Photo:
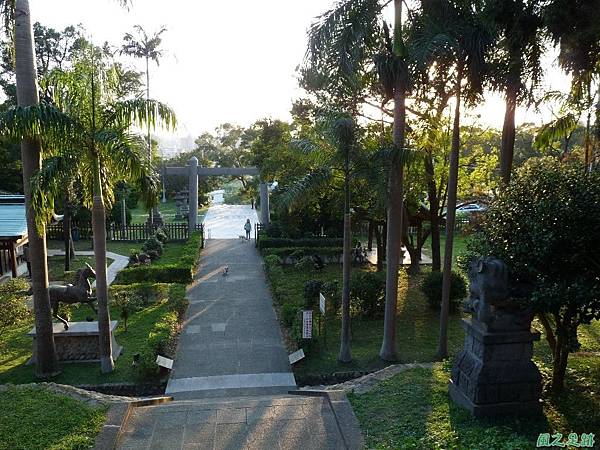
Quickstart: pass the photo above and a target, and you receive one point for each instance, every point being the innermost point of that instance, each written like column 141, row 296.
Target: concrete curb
column 117, row 417
column 344, row 416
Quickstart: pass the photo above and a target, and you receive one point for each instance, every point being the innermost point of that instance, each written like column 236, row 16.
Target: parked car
column 471, row 208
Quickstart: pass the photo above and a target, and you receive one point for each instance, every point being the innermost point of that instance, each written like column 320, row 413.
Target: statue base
column 494, row 375
column 80, row 343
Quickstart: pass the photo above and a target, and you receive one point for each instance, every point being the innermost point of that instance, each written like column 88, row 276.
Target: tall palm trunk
column 434, row 213
column 507, row 147
column 99, row 236
column 395, row 202
column 442, row 351
column 345, row 354
column 27, row 94
column 67, row 237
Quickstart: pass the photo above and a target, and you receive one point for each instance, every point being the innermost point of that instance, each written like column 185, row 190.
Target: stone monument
column 494, row 375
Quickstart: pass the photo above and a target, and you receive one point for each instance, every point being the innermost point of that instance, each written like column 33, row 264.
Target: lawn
column 417, row 327
column 413, row 410
column 37, row 419
column 168, row 211
column 56, row 265
column 118, row 247
column 15, row 350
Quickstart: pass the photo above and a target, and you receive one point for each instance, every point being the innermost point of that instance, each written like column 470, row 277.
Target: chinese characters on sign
column 307, row 324
column 573, row 440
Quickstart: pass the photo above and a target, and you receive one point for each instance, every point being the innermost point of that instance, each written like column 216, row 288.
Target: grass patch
column 56, row 265
column 417, row 328
column 118, row 247
column 168, row 211
column 413, row 410
column 15, row 349
column 37, row 419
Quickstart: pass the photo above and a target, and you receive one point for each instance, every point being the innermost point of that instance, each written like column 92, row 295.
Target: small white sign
column 296, row 356
column 164, row 362
column 307, row 324
column 322, row 303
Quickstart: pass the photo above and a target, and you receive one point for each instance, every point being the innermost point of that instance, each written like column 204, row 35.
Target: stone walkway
column 118, row 264
column 231, row 343
column 227, row 221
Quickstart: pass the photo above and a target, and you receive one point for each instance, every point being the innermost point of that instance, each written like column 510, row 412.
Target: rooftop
column 13, row 223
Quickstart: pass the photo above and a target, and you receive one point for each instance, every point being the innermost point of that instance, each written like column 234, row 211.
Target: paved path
column 231, row 343
column 227, row 221
column 118, row 264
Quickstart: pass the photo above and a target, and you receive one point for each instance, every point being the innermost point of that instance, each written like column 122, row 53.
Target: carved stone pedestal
column 494, row 375
column 80, row 343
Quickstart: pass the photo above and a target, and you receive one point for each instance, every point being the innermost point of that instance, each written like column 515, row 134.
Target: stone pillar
column 494, row 375
column 264, row 203
column 193, row 195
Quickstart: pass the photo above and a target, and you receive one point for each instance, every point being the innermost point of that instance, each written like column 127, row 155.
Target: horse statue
column 70, row 294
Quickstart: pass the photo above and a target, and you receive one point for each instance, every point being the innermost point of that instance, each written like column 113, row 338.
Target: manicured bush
column 300, row 252
column 12, row 302
column 305, row 263
column 160, row 273
column 367, row 292
column 268, row 242
column 312, row 288
column 153, row 245
column 149, row 292
column 432, row 288
column 128, row 303
column 272, row 261
column 161, row 235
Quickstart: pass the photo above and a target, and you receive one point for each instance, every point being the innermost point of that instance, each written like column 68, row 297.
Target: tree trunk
column 507, row 147
column 67, row 232
column 370, row 236
column 395, row 201
column 379, row 243
column 27, row 95
column 559, row 363
column 99, row 237
column 442, row 351
column 434, row 214
column 345, row 354
column 548, row 332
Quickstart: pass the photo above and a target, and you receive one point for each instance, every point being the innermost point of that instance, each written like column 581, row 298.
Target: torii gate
column 193, row 171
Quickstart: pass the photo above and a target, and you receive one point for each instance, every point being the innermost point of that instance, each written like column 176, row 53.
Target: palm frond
column 555, row 130
column 301, row 188
column 142, row 112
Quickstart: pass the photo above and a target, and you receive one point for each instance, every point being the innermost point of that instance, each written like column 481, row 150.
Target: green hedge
column 268, row 242
column 300, row 252
column 173, row 267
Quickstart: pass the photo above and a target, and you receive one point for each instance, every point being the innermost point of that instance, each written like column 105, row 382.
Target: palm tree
column 87, row 130
column 453, row 32
column 17, row 13
column 573, row 25
column 145, row 47
column 341, row 132
column 515, row 63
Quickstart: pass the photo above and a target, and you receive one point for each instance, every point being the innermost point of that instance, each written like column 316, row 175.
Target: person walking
column 248, row 228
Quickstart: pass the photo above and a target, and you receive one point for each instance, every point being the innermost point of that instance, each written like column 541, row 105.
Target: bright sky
column 226, row 60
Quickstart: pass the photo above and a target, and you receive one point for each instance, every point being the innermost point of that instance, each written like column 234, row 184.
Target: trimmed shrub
column 128, row 303
column 367, row 292
column 311, row 293
column 153, row 245
column 272, row 261
column 161, row 235
column 160, row 273
column 149, row 292
column 269, row 242
column 12, row 302
column 432, row 288
column 305, row 263
column 300, row 252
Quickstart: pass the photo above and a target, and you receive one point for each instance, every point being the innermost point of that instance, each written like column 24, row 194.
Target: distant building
column 13, row 233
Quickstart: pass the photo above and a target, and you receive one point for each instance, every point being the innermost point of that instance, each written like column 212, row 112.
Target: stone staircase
column 312, row 420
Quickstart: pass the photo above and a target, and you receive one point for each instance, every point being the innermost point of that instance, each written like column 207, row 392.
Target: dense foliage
column 545, row 227
column 432, row 288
